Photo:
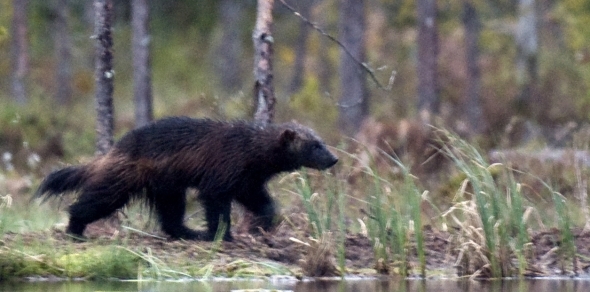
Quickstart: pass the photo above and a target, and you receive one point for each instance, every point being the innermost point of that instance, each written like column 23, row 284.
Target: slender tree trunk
column 88, row 13
column 301, row 47
column 551, row 35
column 20, row 54
column 526, row 60
column 230, row 49
column 142, row 86
column 326, row 70
column 104, row 74
column 263, row 45
column 63, row 45
column 428, row 99
column 473, row 107
column 353, row 103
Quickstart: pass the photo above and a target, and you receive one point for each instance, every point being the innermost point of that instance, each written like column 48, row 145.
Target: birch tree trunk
column 353, row 103
column 142, row 84
column 263, row 46
column 428, row 99
column 63, row 52
column 104, row 74
column 20, row 54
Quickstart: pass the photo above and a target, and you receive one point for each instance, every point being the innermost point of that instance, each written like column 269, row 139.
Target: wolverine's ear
column 288, row 136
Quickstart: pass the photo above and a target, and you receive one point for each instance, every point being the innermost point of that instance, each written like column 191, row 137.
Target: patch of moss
column 100, row 263
column 14, row 264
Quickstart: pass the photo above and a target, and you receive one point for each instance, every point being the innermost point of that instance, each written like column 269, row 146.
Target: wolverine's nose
column 334, row 161
column 326, row 161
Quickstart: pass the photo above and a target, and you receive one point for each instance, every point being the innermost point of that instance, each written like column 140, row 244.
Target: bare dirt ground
column 290, row 247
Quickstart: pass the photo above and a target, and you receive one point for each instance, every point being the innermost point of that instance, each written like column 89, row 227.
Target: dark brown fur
column 157, row 163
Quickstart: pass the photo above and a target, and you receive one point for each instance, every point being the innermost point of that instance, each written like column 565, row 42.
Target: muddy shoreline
column 286, row 252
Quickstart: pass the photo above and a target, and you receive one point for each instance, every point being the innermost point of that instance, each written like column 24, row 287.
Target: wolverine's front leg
column 217, row 214
column 170, row 204
column 258, row 201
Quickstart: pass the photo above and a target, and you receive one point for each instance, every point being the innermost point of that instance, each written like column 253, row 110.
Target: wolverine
column 225, row 161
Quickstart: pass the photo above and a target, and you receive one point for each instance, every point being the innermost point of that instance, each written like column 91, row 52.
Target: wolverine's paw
column 228, row 237
column 186, row 234
column 208, row 236
column 189, row 234
column 264, row 224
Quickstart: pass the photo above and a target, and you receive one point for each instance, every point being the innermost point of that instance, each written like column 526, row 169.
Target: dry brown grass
column 319, row 260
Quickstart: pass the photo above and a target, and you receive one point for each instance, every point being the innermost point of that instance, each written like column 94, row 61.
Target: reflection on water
column 537, row 285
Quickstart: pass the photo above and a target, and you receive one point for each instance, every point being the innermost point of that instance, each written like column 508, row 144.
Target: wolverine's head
column 306, row 147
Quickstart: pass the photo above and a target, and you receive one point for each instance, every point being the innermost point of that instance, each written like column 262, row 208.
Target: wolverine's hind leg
column 94, row 204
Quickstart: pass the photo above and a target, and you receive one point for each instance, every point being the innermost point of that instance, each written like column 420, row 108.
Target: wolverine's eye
column 316, row 147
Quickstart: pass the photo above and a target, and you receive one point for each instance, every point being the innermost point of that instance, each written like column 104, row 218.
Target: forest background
column 202, row 63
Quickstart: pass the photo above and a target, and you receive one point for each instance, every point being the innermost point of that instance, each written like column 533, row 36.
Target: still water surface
column 364, row 285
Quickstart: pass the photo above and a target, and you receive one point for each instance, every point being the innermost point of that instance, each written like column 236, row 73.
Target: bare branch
column 364, row 65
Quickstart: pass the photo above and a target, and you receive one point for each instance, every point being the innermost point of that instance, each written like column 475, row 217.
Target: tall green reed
column 567, row 248
column 394, row 213
column 410, row 191
column 499, row 206
column 321, row 208
column 387, row 228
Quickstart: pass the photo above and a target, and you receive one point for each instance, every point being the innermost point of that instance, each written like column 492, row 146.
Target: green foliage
column 499, row 203
column 28, row 126
column 395, row 216
column 341, row 236
column 186, row 14
column 42, row 259
column 404, row 11
column 388, row 230
column 44, row 130
column 567, row 247
column 22, row 217
column 319, row 210
column 100, row 263
column 322, row 209
column 576, row 16
column 5, row 203
column 313, row 106
column 414, row 201
column 3, row 34
column 14, row 265
column 183, row 58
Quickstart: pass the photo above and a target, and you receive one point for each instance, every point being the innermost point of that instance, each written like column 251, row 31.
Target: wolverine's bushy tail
column 61, row 181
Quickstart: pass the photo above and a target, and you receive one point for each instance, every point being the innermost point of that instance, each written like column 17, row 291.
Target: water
column 356, row 285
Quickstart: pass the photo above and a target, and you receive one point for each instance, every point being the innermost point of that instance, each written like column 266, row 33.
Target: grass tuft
column 488, row 212
column 319, row 260
column 567, row 248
